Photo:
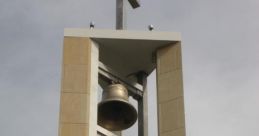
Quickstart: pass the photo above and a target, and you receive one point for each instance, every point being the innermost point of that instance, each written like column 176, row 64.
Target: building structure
column 94, row 57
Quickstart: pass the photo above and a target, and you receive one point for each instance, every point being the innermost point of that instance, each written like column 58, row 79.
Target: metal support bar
column 103, row 132
column 107, row 75
column 120, row 15
column 142, row 106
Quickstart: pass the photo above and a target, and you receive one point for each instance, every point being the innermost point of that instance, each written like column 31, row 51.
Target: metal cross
column 120, row 12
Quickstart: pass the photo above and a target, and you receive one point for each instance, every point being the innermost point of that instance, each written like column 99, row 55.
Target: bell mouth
column 116, row 115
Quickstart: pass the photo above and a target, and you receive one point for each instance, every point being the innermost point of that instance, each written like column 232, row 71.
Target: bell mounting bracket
column 109, row 76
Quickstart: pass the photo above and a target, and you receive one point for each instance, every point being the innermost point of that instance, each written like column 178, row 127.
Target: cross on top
column 134, row 3
column 120, row 12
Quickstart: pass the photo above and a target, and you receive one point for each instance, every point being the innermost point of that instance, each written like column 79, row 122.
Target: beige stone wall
column 170, row 103
column 79, row 87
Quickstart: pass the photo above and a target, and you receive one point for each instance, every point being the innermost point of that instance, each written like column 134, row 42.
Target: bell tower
column 94, row 57
column 120, row 61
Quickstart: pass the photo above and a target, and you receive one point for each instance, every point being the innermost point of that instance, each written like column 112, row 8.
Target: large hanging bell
column 115, row 113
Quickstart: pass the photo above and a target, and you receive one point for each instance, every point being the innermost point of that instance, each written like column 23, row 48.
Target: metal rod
column 142, row 106
column 104, row 132
column 119, row 14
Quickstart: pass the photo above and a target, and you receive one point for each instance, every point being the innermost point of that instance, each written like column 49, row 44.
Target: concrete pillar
column 78, row 102
column 171, row 118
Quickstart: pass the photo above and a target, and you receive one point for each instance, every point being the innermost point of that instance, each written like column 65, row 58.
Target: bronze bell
column 115, row 113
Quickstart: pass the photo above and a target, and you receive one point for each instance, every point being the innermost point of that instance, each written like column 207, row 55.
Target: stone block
column 75, row 78
column 171, row 115
column 74, row 108
column 73, row 130
column 169, row 58
column 170, row 86
column 77, row 50
column 178, row 132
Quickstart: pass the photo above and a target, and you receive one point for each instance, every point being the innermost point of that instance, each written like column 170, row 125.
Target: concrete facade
column 170, row 100
column 125, row 52
column 79, row 87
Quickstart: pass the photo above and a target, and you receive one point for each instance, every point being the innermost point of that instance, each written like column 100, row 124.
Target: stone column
column 171, row 118
column 78, row 101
